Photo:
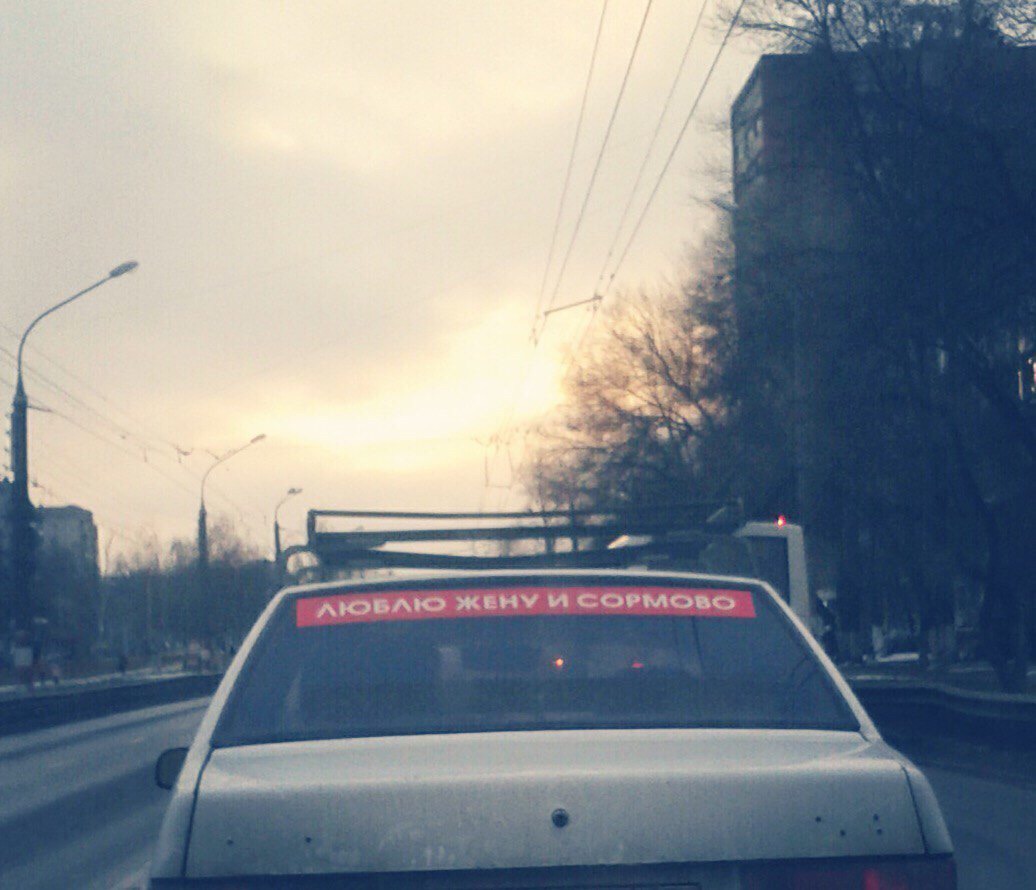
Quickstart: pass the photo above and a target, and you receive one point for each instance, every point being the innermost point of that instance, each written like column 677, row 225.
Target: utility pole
column 277, row 529
column 203, row 538
column 23, row 534
column 203, row 567
column 203, row 533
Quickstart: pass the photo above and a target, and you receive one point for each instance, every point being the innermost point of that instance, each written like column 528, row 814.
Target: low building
column 71, row 531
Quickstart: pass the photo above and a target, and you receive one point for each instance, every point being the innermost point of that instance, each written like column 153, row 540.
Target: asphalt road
column 78, row 807
column 993, row 826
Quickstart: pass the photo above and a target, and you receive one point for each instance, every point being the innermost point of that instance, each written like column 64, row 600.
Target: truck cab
column 774, row 552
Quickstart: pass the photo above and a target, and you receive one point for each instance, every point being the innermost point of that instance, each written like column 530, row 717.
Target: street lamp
column 203, row 535
column 21, row 509
column 203, row 532
column 276, row 526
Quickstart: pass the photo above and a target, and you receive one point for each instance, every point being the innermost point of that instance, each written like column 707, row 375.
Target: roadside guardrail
column 29, row 712
column 899, row 708
column 917, row 708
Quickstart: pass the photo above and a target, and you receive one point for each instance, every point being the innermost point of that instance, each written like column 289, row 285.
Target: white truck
column 680, row 537
column 774, row 552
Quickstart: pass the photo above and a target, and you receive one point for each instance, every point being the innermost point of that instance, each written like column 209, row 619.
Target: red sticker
column 416, row 605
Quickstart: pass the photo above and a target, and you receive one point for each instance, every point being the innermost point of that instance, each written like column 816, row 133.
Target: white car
column 542, row 729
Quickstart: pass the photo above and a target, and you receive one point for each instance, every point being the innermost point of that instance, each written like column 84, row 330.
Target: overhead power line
column 661, row 176
column 151, row 433
column 676, row 144
column 600, row 155
column 504, row 435
column 651, row 144
column 503, row 432
column 571, row 164
column 127, row 439
column 80, row 486
column 141, row 457
column 541, row 316
column 655, row 190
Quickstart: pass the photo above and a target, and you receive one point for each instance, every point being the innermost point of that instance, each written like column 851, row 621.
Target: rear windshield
column 414, row 660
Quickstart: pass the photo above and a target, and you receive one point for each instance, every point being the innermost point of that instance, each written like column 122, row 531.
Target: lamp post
column 277, row 528
column 23, row 540
column 203, row 531
column 203, row 536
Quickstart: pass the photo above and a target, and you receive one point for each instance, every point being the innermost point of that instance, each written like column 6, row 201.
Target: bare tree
column 645, row 402
column 158, row 601
column 918, row 441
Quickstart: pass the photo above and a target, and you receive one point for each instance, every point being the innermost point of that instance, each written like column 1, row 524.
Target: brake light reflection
column 914, row 873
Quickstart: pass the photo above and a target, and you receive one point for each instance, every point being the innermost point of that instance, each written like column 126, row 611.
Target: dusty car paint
column 483, row 801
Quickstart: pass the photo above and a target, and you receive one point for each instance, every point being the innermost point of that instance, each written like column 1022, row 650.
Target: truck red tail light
column 928, row 873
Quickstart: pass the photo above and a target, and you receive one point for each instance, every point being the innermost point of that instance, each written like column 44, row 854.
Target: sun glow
column 440, row 418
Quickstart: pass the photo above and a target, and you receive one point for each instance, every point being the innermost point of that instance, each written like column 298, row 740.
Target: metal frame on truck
column 668, row 537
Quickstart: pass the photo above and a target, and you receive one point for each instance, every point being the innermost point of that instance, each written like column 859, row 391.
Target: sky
column 343, row 214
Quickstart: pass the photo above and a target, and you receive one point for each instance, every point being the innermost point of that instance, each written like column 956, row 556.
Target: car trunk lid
column 495, row 801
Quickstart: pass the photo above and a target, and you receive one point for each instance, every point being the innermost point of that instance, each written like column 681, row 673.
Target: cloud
column 342, row 213
column 422, row 411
